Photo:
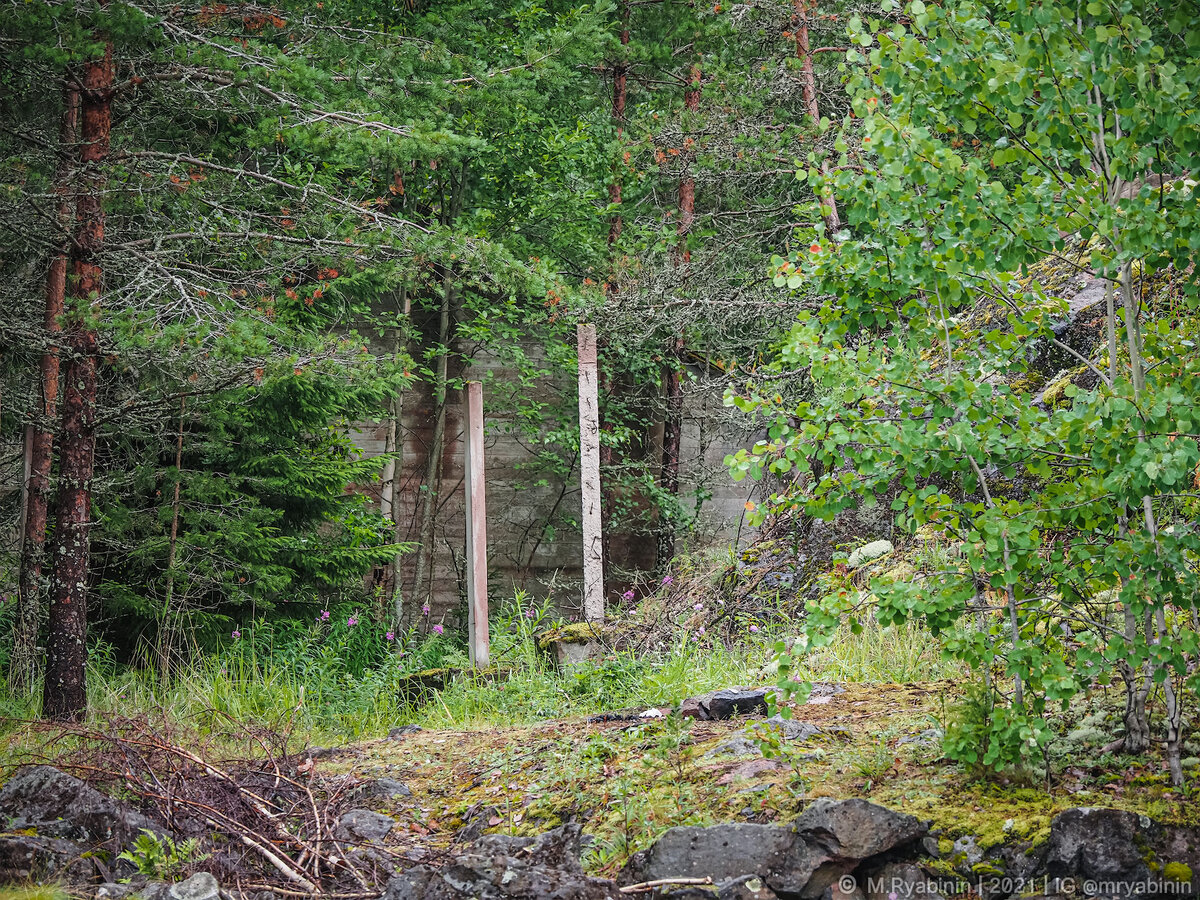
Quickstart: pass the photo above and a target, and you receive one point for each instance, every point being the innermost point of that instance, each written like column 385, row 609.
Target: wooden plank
column 477, row 594
column 589, row 465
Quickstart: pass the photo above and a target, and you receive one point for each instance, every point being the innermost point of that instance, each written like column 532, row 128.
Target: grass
column 322, row 703
column 896, row 654
column 33, row 892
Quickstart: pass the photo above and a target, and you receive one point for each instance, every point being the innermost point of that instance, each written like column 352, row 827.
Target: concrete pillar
column 477, row 594
column 589, row 466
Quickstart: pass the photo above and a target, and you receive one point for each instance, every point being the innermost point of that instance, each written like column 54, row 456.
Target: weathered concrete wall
column 534, row 540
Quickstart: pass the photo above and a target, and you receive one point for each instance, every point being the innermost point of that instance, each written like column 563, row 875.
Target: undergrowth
column 343, row 677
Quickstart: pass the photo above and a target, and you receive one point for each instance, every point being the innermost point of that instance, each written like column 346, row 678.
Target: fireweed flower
column 352, row 621
column 698, row 606
column 628, row 595
column 236, row 634
column 425, row 610
column 667, row 579
column 324, row 615
column 390, row 636
column 529, row 613
column 437, row 629
column 754, row 629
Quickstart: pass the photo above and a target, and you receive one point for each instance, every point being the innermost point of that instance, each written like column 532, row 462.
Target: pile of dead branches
column 263, row 814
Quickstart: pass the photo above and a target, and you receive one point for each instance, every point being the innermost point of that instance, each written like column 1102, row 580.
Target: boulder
column 381, row 789
column 1101, row 844
column 793, row 729
column 363, row 825
column 831, row 838
column 490, row 877
column 55, row 804
column 559, row 848
column 732, row 702
column 901, row 879
column 42, row 860
column 201, row 886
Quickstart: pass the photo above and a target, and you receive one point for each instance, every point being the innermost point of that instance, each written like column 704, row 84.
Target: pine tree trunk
column 619, row 93
column 433, row 461
column 22, row 670
column 65, row 688
column 167, row 631
column 608, row 498
column 672, row 377
column 808, row 84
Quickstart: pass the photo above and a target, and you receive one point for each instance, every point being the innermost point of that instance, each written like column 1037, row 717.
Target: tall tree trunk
column 167, row 632
column 433, row 460
column 619, row 93
column 22, row 670
column 672, row 378
column 65, row 689
column 393, row 486
column 608, row 497
column 808, row 84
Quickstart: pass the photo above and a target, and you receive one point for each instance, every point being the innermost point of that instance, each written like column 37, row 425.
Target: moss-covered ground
column 627, row 781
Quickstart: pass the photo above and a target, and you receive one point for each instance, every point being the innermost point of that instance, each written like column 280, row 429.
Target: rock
column 397, row 733
column 475, row 821
column 42, row 860
column 559, row 848
column 930, row 737
column 1104, row 844
column 381, row 789
column 805, row 859
column 721, row 852
column 570, row 645
column 201, row 886
column 112, row 891
column 738, row 745
column 482, row 877
column 792, row 729
column 690, row 709
column 748, row 887
column 363, row 825
column 860, row 829
column 153, row 890
column 734, row 702
column 965, row 853
column 868, row 553
column 55, row 804
column 901, row 879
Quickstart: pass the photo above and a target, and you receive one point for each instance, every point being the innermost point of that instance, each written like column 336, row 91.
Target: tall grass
column 337, row 682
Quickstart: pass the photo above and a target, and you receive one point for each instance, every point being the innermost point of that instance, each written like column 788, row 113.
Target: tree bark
column 166, row 637
column 672, row 377
column 608, row 499
column 65, row 688
column 808, row 84
column 619, row 93
column 672, row 444
column 22, row 671
column 433, row 460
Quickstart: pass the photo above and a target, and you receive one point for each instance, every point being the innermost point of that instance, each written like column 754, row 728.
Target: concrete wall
column 534, row 541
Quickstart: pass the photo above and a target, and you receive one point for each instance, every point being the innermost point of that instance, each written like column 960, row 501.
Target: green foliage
column 158, row 856
column 985, row 139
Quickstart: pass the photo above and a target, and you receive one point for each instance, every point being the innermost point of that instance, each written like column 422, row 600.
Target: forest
column 896, row 318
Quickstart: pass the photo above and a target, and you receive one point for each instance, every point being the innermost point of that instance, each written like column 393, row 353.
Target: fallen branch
column 645, row 886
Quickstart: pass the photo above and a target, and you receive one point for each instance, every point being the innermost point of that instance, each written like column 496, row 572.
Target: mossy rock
column 574, row 633
column 418, row 688
column 1054, row 394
